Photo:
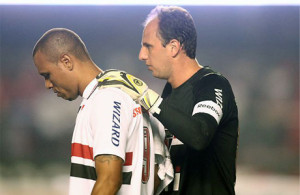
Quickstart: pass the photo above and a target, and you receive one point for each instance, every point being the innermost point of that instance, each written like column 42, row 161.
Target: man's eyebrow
column 146, row 44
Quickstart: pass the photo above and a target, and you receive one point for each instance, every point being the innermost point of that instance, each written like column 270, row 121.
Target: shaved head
column 58, row 41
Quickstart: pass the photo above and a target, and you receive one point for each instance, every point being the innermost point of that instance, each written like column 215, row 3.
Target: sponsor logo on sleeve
column 209, row 107
column 116, row 124
column 137, row 111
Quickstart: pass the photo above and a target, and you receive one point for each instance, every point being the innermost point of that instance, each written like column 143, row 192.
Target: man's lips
column 148, row 66
column 57, row 93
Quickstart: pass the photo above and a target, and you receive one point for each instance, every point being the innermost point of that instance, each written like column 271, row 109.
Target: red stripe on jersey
column 128, row 159
column 177, row 169
column 83, row 151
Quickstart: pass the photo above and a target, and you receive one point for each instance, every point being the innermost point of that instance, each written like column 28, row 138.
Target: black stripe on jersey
column 127, row 177
column 83, row 171
column 88, row 172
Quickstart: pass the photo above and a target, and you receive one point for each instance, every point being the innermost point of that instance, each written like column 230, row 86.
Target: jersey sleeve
column 197, row 128
column 110, row 122
column 211, row 96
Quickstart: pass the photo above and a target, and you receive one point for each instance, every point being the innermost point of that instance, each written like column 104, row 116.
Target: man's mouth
column 57, row 93
column 149, row 67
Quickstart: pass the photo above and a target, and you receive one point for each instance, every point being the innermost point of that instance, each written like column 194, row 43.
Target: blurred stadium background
column 256, row 48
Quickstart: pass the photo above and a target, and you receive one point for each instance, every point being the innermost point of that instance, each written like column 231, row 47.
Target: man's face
column 57, row 77
column 156, row 57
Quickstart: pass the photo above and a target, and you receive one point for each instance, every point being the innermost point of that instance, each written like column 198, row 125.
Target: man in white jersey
column 115, row 146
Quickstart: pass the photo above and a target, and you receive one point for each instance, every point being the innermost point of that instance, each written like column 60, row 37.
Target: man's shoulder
column 111, row 99
column 206, row 71
column 112, row 92
column 208, row 75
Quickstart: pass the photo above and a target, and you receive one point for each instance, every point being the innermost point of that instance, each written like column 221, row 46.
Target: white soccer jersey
column 110, row 122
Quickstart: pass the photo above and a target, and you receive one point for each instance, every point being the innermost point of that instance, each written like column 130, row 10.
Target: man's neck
column 87, row 74
column 183, row 70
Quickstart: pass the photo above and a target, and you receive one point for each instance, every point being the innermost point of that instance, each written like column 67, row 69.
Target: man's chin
column 156, row 75
column 71, row 98
column 153, row 74
column 63, row 96
column 66, row 98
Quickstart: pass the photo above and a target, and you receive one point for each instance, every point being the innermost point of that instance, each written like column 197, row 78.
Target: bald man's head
column 59, row 41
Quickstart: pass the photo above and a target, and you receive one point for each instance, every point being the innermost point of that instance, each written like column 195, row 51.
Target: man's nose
column 48, row 84
column 143, row 54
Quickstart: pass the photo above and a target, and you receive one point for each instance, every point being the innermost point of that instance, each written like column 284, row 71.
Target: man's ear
column 175, row 47
column 65, row 59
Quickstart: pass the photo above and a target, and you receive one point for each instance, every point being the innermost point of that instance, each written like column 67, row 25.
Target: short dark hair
column 56, row 41
column 175, row 23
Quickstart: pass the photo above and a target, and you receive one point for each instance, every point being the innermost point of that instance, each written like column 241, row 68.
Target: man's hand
column 135, row 87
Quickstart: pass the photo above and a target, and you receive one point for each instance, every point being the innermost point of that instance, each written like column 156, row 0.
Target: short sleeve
column 110, row 120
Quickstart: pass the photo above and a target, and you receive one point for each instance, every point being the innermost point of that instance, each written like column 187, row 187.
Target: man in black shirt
column 197, row 105
column 202, row 115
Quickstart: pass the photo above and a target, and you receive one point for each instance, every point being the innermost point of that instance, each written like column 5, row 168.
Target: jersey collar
column 90, row 89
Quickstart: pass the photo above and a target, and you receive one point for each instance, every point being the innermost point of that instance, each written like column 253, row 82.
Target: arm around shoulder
column 195, row 131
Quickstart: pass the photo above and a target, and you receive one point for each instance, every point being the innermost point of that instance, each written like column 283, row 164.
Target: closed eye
column 45, row 75
column 147, row 45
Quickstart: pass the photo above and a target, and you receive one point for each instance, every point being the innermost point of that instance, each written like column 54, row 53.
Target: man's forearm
column 106, row 188
column 195, row 131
